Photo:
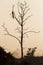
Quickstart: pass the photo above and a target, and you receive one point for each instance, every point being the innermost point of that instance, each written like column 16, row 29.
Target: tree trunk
column 22, row 51
column 22, row 41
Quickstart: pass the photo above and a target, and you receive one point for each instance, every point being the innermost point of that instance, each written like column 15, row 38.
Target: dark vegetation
column 29, row 59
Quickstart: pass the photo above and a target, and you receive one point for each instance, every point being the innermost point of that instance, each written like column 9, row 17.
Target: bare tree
column 23, row 8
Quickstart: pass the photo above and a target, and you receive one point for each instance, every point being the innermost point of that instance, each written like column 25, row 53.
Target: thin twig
column 27, row 18
column 26, row 11
column 31, row 32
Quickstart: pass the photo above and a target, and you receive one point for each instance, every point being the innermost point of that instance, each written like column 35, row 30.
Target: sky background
column 34, row 23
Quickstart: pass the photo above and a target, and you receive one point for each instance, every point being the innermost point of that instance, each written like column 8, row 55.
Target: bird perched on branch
column 13, row 11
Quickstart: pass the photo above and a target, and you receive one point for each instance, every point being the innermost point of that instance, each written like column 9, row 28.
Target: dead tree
column 23, row 8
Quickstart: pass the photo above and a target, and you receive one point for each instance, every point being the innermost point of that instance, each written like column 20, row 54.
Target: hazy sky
column 34, row 23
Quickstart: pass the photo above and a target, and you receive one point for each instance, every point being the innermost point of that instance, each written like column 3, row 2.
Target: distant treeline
column 29, row 59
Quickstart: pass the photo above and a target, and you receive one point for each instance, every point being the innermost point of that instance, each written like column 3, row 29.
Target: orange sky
column 34, row 23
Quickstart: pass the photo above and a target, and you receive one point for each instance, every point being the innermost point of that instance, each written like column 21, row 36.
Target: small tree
column 31, row 51
column 23, row 8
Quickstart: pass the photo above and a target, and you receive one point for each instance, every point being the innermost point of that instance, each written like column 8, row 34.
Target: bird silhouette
column 12, row 14
column 13, row 11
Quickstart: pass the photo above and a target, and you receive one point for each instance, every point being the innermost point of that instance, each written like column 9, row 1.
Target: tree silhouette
column 31, row 51
column 23, row 8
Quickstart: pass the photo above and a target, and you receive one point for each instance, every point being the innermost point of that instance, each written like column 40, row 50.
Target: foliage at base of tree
column 8, row 59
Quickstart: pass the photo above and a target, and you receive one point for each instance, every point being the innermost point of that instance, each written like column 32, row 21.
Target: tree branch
column 14, row 16
column 26, row 11
column 19, row 11
column 7, row 33
column 27, row 18
column 31, row 32
column 17, row 20
column 21, row 6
